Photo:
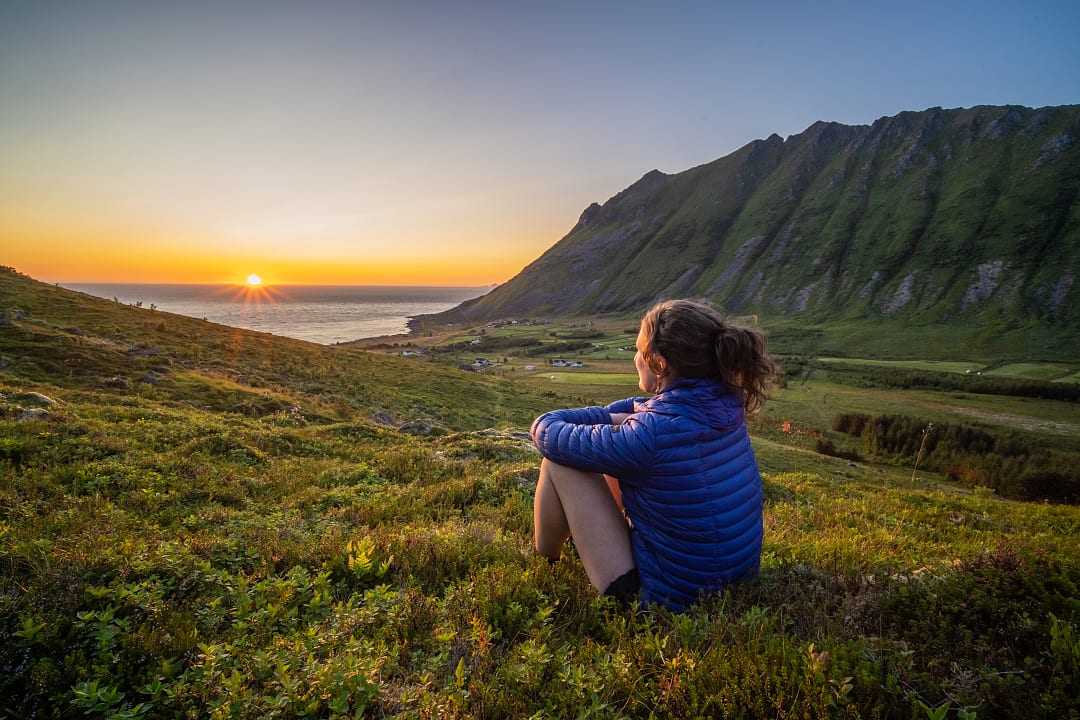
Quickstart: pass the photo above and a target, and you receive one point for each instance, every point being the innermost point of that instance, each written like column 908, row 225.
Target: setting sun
column 254, row 280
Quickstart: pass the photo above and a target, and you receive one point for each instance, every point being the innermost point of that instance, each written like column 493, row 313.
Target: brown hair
column 696, row 340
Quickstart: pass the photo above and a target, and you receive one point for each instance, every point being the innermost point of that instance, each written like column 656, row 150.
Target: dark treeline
column 891, row 377
column 559, row 347
column 488, row 342
column 1007, row 462
column 577, row 334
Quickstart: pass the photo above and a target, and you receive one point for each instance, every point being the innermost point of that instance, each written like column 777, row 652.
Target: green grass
column 1073, row 378
column 240, row 538
column 933, row 365
column 1035, row 371
column 588, row 378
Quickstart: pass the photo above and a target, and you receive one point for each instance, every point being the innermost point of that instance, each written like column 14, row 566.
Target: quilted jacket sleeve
column 584, row 438
column 624, row 406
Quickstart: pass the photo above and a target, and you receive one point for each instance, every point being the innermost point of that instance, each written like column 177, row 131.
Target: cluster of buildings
column 559, row 362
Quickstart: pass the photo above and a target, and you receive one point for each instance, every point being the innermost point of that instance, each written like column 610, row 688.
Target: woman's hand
column 618, row 418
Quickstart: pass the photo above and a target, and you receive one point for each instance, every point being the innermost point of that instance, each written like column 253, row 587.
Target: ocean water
column 317, row 313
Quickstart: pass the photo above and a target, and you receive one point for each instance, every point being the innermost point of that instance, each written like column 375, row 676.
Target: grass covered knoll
column 236, row 538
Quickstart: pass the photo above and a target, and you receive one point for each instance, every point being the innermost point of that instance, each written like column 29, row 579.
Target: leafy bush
column 1006, row 462
column 827, row 447
column 559, row 347
column 850, row 423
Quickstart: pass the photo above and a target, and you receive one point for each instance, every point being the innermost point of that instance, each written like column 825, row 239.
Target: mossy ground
column 234, row 536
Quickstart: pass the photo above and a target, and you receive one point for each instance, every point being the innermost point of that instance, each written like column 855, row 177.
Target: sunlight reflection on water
column 321, row 314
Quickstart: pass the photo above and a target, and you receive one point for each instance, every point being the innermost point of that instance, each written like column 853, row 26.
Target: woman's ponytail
column 744, row 364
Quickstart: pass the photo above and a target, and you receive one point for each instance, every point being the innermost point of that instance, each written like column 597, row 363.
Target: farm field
column 1036, row 371
column 936, row 365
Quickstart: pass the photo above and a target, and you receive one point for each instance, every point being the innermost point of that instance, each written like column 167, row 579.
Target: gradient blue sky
column 441, row 143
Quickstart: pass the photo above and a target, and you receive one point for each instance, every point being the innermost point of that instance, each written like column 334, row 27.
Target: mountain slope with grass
column 965, row 218
column 198, row 521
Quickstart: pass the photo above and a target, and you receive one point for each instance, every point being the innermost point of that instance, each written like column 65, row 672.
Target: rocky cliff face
column 936, row 216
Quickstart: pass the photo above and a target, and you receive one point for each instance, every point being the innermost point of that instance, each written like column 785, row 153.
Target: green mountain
column 964, row 217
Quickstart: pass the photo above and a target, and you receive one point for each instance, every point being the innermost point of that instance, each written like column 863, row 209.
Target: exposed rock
column 901, row 297
column 783, row 239
column 34, row 399
column 1008, row 123
column 589, row 215
column 802, row 298
column 151, row 378
column 988, row 276
column 735, row 267
column 1061, row 290
column 753, row 290
column 871, row 285
column 27, row 414
column 681, row 284
column 115, row 381
column 385, row 418
column 907, row 159
column 10, row 316
column 74, row 331
column 1052, row 148
column 422, row 428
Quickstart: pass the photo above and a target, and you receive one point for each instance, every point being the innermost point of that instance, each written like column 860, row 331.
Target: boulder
column 383, row 418
column 116, row 381
column 420, row 427
column 27, row 414
column 150, row 377
column 33, row 399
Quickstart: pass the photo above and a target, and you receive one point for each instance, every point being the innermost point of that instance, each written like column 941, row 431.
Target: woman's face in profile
column 647, row 380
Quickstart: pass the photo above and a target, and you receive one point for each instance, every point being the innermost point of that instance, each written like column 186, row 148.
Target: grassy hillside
column 207, row 522
column 952, row 228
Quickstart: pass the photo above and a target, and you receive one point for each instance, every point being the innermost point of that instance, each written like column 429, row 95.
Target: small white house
column 481, row 362
column 475, row 342
column 410, row 353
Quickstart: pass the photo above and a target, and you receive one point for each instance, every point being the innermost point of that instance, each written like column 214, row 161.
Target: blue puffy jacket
column 689, row 480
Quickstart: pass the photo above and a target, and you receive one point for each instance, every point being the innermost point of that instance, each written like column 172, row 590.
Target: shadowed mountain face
column 963, row 215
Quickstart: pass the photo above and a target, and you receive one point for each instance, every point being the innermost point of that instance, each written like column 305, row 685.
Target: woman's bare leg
column 573, row 502
column 616, row 491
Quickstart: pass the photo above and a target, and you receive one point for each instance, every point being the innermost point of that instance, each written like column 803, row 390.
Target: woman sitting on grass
column 662, row 495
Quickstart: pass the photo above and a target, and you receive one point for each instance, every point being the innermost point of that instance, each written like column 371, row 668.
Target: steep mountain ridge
column 964, row 215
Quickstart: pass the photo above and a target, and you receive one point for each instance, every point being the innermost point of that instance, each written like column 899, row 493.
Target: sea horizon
column 325, row 314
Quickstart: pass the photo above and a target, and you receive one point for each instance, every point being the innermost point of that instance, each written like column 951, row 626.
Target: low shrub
column 1006, row 462
column 824, row 446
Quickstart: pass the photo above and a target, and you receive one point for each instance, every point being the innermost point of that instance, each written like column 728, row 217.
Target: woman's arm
column 625, row 406
column 595, row 445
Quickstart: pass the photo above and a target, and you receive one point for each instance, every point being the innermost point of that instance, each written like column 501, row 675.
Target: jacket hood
column 704, row 400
